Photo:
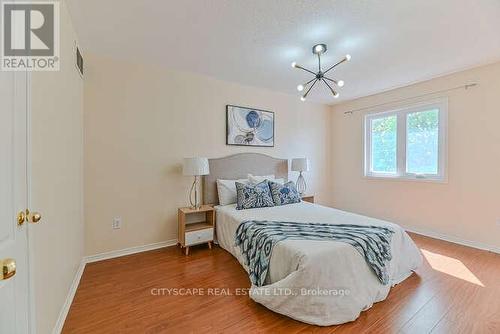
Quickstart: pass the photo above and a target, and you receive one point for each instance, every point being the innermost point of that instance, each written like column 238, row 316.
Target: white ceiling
column 392, row 42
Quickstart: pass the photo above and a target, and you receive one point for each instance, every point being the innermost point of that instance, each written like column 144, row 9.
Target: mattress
column 317, row 281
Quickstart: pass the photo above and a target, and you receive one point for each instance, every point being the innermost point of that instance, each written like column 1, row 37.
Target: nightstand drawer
column 200, row 236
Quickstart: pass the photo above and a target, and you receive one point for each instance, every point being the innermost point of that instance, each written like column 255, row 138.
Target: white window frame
column 401, row 114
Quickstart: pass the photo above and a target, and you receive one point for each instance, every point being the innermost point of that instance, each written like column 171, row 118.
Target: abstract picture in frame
column 249, row 126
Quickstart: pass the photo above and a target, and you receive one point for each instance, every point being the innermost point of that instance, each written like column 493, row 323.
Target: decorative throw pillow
column 284, row 193
column 249, row 196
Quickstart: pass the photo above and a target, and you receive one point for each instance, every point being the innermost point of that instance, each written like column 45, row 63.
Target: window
column 408, row 143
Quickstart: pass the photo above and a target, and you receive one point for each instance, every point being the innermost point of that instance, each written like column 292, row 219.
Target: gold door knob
column 8, row 268
column 21, row 218
column 33, row 217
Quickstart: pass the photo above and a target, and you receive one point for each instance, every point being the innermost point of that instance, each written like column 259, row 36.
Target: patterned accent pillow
column 249, row 196
column 284, row 193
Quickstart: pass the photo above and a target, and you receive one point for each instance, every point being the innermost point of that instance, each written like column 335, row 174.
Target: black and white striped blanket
column 256, row 240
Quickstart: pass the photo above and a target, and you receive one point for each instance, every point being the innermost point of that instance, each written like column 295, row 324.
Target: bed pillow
column 257, row 179
column 249, row 196
column 284, row 193
column 226, row 189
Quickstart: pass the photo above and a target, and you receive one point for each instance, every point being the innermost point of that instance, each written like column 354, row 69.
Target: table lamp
column 195, row 167
column 300, row 165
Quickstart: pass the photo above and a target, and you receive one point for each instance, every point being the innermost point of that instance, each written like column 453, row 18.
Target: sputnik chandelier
column 318, row 50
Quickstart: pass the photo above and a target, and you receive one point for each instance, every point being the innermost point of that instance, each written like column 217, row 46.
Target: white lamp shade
column 300, row 165
column 195, row 166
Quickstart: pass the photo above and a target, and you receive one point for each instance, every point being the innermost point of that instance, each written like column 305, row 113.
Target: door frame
column 30, row 251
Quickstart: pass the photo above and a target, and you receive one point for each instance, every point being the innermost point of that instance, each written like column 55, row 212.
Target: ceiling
column 392, row 42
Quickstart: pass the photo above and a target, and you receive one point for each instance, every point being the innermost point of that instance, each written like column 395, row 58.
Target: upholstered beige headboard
column 237, row 166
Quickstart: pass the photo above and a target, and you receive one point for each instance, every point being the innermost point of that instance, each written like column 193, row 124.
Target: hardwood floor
column 457, row 290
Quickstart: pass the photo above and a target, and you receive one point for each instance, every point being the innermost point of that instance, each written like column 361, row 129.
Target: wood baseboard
column 69, row 299
column 455, row 240
column 128, row 251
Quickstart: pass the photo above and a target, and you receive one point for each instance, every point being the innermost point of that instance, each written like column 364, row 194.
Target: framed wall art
column 249, row 126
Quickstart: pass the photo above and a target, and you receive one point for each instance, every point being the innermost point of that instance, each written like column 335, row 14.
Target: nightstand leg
column 210, row 245
column 187, row 250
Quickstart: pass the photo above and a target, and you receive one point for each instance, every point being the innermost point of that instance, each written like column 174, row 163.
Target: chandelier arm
column 334, row 65
column 334, row 81
column 305, row 69
column 307, row 83
column 333, row 92
column 307, row 92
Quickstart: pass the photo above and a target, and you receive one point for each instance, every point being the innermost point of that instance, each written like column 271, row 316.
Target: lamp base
column 196, row 205
column 301, row 184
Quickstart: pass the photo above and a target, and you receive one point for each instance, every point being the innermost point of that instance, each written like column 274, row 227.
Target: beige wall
column 56, row 185
column 467, row 207
column 140, row 122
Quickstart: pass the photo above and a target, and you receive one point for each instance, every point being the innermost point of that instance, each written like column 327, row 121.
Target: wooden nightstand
column 308, row 198
column 196, row 226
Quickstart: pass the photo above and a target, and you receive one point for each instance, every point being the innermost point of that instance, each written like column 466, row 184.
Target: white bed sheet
column 300, row 268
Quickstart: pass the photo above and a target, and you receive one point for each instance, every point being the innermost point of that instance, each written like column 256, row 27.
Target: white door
column 14, row 287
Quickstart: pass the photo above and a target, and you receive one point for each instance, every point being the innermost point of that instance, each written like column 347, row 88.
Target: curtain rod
column 466, row 86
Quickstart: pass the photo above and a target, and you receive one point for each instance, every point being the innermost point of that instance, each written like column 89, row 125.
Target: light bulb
column 302, row 98
column 336, row 95
column 294, row 64
column 347, row 57
column 319, row 49
column 340, row 83
column 300, row 88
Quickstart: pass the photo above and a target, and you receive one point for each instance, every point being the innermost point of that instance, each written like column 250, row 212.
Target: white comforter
column 318, row 282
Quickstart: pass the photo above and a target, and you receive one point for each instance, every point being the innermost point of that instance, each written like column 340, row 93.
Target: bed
column 314, row 281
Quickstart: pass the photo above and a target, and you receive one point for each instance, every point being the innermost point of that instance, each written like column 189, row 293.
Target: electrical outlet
column 117, row 223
